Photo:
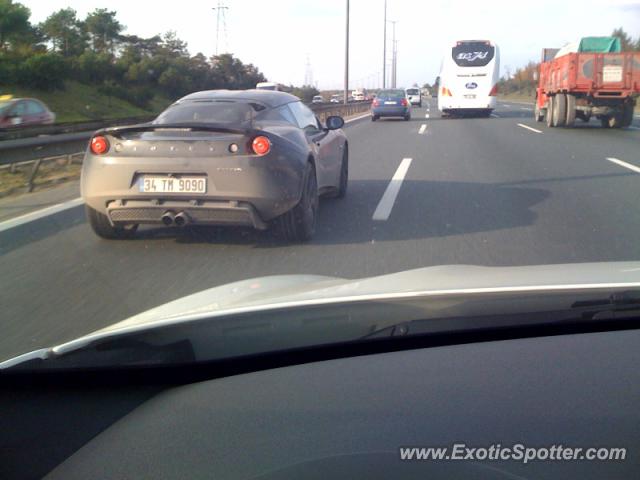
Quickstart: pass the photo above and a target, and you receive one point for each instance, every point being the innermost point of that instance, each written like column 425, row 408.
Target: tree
column 229, row 72
column 173, row 46
column 14, row 22
column 104, row 30
column 65, row 32
column 626, row 43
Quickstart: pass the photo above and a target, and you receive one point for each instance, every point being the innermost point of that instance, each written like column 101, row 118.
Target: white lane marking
column 45, row 212
column 525, row 108
column 624, row 164
column 530, row 128
column 383, row 210
column 357, row 118
column 423, row 127
column 426, row 116
column 495, row 115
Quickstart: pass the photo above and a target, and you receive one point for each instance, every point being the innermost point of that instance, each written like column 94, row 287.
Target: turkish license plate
column 162, row 184
column 612, row 74
column 470, row 96
column 390, row 103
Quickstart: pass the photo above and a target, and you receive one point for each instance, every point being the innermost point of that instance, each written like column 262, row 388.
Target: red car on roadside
column 23, row 112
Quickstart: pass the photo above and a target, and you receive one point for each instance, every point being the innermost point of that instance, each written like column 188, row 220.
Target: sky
column 282, row 37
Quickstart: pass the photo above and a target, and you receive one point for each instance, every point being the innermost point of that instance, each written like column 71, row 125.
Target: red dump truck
column 592, row 79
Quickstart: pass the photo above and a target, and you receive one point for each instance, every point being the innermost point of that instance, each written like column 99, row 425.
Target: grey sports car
column 255, row 158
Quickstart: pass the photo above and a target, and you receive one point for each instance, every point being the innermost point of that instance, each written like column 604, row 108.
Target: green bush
column 138, row 96
column 43, row 71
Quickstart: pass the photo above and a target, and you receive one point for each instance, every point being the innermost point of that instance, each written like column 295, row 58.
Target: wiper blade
column 623, row 300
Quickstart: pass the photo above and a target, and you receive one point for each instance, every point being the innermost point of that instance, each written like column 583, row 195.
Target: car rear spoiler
column 201, row 127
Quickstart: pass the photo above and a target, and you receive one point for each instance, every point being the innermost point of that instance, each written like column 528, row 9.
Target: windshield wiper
column 617, row 306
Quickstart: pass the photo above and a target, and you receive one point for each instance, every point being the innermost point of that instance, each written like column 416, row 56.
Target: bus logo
column 472, row 56
column 471, row 85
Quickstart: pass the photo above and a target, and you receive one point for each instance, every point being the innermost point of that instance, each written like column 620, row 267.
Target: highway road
column 496, row 191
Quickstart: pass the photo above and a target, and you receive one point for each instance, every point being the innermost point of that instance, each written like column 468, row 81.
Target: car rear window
column 392, row 94
column 412, row 91
column 214, row 111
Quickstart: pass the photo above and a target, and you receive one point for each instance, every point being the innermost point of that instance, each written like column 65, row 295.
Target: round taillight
column 99, row 145
column 261, row 145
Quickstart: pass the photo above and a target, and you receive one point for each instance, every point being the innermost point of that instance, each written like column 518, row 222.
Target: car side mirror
column 334, row 122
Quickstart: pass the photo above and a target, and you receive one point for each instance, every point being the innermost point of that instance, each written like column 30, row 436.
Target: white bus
column 268, row 86
column 469, row 78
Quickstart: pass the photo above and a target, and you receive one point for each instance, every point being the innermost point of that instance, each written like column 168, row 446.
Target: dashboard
column 346, row 417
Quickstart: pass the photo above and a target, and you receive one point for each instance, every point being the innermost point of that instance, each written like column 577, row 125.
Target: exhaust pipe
column 168, row 218
column 181, row 219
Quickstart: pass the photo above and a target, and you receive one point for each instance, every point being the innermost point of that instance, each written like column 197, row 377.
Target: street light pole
column 346, row 59
column 384, row 48
column 393, row 60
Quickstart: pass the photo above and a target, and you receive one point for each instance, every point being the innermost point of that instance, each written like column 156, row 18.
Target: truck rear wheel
column 627, row 115
column 571, row 110
column 537, row 113
column 611, row 121
column 559, row 117
column 550, row 109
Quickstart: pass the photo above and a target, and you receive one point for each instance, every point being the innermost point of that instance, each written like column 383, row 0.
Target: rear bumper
column 241, row 190
column 200, row 213
column 457, row 103
column 391, row 111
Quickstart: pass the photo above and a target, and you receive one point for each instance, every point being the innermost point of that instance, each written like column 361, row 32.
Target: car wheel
column 374, row 118
column 407, row 118
column 299, row 223
column 344, row 174
column 103, row 228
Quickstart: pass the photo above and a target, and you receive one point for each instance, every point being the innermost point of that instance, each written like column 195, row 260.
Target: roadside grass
column 79, row 102
column 50, row 173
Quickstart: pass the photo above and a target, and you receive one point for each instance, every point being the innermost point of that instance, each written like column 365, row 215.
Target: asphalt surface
column 482, row 191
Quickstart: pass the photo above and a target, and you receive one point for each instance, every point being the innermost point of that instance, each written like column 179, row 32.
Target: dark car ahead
column 391, row 103
column 24, row 112
column 220, row 157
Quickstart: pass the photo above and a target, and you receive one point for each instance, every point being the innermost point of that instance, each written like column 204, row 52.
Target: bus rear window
column 473, row 54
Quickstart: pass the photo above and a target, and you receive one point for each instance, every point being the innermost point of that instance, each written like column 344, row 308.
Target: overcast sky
column 279, row 35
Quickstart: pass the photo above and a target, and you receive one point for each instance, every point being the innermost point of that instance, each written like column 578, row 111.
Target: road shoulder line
column 38, row 214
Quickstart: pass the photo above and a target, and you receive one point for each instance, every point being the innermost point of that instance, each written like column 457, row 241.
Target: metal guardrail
column 36, row 150
column 15, row 133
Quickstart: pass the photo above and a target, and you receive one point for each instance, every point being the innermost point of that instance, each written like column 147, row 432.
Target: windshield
column 473, row 54
column 373, row 139
column 219, row 112
column 391, row 94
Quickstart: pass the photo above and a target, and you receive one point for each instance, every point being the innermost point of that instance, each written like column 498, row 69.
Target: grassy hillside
column 78, row 102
